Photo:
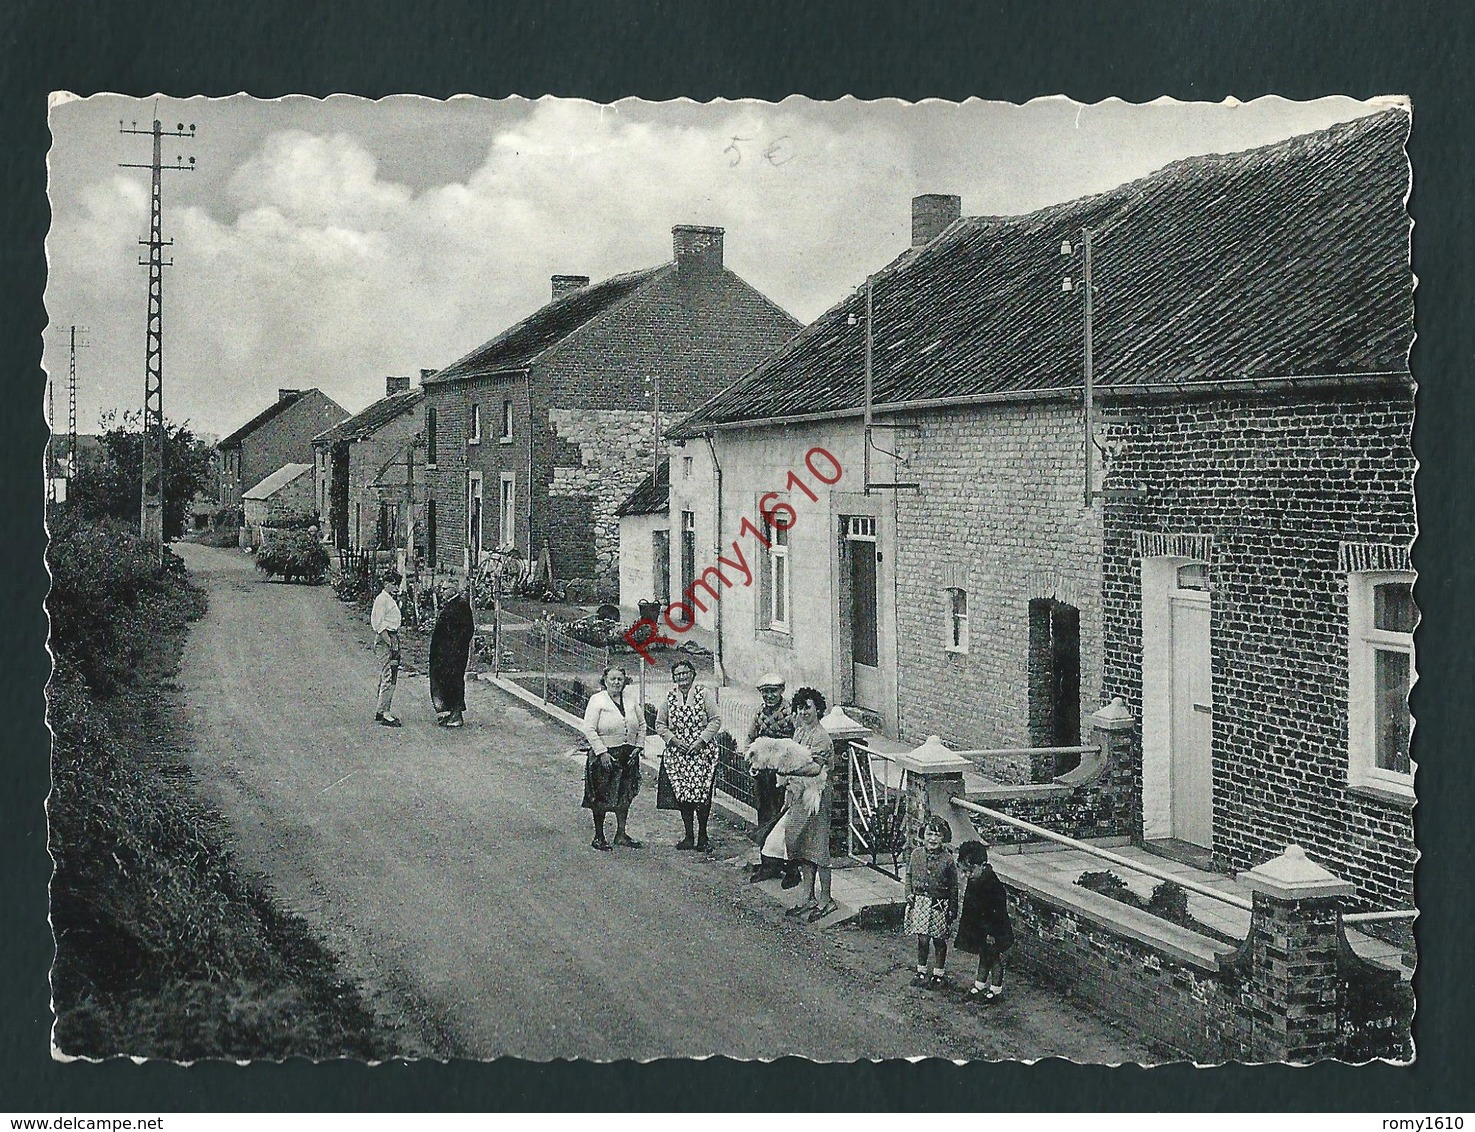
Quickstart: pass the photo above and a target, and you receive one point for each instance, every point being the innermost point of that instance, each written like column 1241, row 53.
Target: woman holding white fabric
column 614, row 725
column 800, row 835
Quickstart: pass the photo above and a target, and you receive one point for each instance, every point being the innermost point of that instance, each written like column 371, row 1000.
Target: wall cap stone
column 933, row 759
column 1295, row 876
column 841, row 726
column 1115, row 716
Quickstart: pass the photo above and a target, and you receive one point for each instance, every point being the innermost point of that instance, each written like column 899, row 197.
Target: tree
column 113, row 486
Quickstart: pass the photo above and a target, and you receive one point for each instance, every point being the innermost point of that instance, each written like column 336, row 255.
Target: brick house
column 368, row 466
column 1251, row 466
column 280, row 434
column 535, row 438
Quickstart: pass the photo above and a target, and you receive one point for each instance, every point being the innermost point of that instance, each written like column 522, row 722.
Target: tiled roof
column 372, row 419
column 1285, row 261
column 652, row 495
column 281, row 404
column 276, row 481
column 521, row 345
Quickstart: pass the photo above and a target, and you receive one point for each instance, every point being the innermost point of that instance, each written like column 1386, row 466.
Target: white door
column 1192, row 728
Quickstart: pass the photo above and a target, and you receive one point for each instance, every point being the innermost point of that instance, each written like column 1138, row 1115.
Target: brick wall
column 1000, row 514
column 287, row 437
column 1277, row 483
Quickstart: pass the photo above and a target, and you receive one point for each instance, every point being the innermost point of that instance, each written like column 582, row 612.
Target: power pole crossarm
column 151, row 524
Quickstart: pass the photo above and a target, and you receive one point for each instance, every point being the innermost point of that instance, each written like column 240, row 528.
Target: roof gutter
column 1123, row 391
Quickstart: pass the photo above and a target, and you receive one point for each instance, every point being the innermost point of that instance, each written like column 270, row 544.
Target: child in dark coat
column 932, row 900
column 983, row 926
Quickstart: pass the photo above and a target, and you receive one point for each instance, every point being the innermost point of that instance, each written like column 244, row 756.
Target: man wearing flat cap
column 773, row 720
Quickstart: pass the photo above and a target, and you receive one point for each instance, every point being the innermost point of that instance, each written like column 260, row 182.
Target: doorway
column 863, row 560
column 1191, row 765
column 473, row 517
column 1054, row 683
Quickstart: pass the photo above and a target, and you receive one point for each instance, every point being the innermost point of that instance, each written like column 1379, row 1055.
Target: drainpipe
column 720, row 671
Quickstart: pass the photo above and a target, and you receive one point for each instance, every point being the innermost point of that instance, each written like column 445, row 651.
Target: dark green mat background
column 1193, row 49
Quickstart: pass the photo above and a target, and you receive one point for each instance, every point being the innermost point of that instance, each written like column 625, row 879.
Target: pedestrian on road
column 614, row 725
column 688, row 722
column 802, row 836
column 983, row 926
column 932, row 900
column 450, row 652
column 385, row 621
column 775, row 721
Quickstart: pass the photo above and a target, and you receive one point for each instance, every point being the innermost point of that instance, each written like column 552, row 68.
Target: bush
column 581, row 591
column 358, row 581
column 108, row 598
column 293, row 556
column 607, row 590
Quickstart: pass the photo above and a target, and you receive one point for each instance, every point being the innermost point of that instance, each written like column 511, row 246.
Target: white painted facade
column 812, row 646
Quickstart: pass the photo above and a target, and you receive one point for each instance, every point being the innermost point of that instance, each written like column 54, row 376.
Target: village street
column 452, row 873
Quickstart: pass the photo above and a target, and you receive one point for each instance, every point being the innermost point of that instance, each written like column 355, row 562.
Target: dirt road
column 452, row 872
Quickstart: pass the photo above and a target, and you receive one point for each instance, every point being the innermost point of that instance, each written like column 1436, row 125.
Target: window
column 957, row 600
column 686, row 467
column 775, row 594
column 778, row 562
column 507, row 534
column 473, row 426
column 1380, row 671
column 506, row 437
column 430, row 436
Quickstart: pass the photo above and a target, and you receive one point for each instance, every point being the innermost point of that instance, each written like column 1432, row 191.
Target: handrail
column 1105, row 855
column 997, row 751
column 1377, row 917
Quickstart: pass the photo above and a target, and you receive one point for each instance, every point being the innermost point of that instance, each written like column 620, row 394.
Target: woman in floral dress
column 688, row 723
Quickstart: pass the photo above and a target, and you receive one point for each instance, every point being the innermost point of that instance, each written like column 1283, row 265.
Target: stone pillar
column 934, row 777
column 844, row 731
column 1293, row 957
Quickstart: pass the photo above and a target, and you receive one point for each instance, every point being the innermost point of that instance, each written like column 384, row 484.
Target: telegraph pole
column 78, row 339
column 151, row 522
column 72, row 408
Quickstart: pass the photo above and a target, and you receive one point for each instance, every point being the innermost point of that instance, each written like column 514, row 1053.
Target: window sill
column 955, row 650
column 1377, row 792
column 504, row 440
column 473, row 440
column 779, row 638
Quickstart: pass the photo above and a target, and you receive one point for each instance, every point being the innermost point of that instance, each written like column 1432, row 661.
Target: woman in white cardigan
column 614, row 725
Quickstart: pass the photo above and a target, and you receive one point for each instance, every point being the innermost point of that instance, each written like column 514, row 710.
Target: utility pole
column 78, row 338
column 1088, row 399
column 72, row 406
column 151, row 522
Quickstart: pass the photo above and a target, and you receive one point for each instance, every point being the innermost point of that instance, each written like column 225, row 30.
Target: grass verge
column 163, row 947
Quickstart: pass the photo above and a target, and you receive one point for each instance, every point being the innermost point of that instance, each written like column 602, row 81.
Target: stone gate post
column 1293, row 957
column 934, row 776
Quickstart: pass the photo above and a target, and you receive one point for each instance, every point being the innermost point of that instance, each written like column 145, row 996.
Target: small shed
column 284, row 498
column 645, row 540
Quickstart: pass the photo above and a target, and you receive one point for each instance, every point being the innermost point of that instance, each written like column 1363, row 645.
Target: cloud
column 312, row 266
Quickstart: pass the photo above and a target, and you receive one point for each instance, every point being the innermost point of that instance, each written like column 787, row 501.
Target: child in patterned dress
column 932, row 900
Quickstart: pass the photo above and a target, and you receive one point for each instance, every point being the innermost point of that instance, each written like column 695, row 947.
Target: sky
column 334, row 242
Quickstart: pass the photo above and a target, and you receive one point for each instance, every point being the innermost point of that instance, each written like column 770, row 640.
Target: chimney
column 931, row 214
column 393, row 385
column 424, row 373
column 697, row 248
column 568, row 284
column 288, row 394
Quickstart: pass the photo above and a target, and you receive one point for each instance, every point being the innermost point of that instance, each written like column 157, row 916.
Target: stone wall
column 613, row 449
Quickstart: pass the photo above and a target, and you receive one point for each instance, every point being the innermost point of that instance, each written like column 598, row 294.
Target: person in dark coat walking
column 983, row 926
column 450, row 651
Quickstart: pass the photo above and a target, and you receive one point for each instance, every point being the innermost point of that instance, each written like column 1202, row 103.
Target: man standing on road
column 385, row 621
column 775, row 721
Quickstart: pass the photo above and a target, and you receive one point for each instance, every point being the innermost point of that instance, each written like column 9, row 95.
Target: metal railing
column 877, row 812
